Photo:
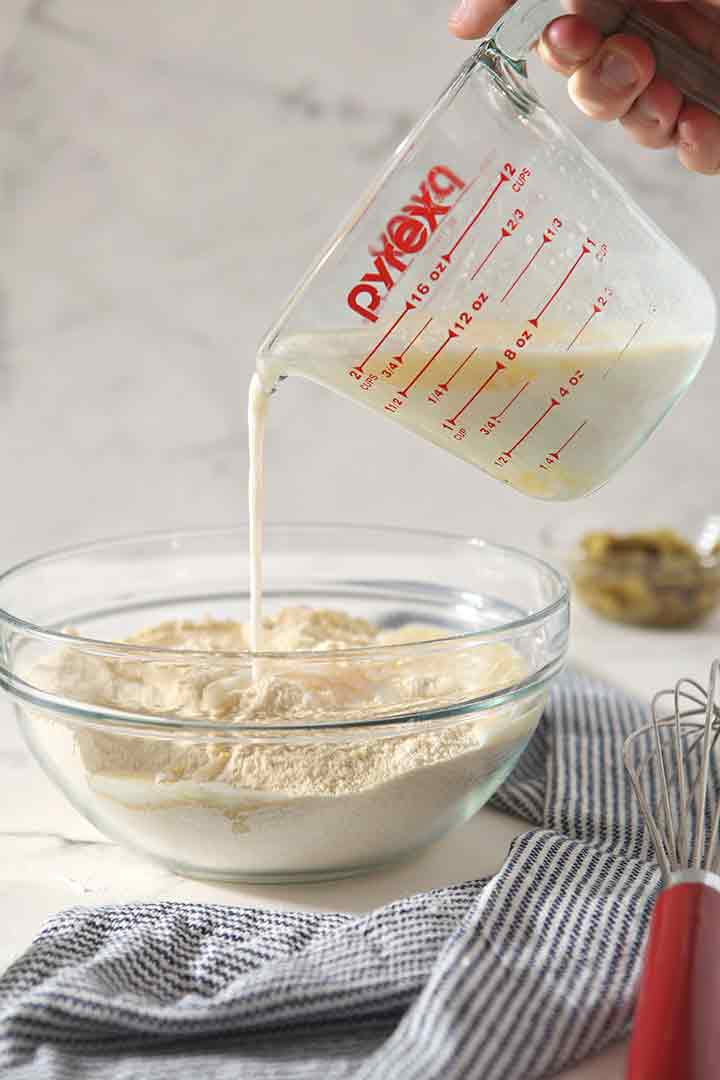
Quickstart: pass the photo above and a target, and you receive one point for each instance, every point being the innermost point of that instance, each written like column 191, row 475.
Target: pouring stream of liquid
column 258, row 402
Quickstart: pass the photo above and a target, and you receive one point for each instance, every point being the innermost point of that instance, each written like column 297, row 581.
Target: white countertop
column 170, row 168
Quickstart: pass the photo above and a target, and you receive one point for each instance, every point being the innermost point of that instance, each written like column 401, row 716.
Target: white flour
column 310, row 801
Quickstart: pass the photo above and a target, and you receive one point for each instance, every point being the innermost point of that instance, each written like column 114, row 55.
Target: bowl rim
column 20, row 689
column 126, row 649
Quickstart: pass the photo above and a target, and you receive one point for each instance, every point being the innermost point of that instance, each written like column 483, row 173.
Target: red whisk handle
column 676, row 1031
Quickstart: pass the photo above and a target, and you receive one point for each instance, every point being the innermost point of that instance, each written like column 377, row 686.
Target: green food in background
column 646, row 578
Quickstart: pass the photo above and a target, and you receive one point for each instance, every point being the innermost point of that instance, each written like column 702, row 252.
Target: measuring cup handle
column 691, row 71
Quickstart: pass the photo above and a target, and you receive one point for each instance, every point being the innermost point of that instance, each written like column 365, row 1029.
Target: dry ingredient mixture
column 315, row 797
column 337, row 689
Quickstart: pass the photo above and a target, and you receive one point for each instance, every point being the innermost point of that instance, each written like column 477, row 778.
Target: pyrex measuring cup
column 498, row 293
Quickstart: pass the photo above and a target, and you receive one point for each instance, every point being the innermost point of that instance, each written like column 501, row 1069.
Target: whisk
column 676, row 1032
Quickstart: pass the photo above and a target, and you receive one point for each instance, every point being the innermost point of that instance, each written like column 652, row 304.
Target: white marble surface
column 168, row 170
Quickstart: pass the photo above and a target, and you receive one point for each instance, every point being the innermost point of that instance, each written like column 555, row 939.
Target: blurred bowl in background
column 639, row 570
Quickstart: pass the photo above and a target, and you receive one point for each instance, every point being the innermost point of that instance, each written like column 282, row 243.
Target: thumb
column 473, row 18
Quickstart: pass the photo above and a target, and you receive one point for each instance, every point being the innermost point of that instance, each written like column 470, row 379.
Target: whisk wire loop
column 683, row 853
column 708, row 743
column 669, row 762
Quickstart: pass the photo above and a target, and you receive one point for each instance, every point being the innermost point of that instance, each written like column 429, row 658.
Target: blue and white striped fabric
column 510, row 978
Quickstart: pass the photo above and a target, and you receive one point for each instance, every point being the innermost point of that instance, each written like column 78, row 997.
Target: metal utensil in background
column 676, row 1032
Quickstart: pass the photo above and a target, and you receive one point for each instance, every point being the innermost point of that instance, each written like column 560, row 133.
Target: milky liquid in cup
column 552, row 421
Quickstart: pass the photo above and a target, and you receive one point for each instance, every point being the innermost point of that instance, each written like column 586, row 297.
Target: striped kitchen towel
column 509, row 978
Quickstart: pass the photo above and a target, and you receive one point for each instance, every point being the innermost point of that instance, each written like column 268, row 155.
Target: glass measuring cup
column 497, row 292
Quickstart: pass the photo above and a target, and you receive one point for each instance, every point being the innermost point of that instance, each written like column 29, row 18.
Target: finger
column 569, row 42
column 607, row 86
column 698, row 139
column 653, row 118
column 473, row 18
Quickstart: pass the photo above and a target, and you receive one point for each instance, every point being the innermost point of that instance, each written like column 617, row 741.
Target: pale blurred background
column 169, row 170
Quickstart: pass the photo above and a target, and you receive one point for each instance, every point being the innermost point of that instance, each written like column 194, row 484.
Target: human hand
column 614, row 78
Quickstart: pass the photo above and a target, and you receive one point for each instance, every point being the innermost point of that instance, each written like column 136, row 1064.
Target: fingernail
column 685, row 140
column 616, row 72
column 565, row 56
column 646, row 111
column 458, row 14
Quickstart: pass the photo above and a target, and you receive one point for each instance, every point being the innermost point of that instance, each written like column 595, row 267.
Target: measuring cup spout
column 692, row 72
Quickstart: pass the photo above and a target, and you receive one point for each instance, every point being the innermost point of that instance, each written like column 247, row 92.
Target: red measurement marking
column 595, row 311
column 624, row 349
column 502, row 180
column 404, row 393
column 551, row 406
column 526, row 267
column 585, row 250
column 511, row 401
column 555, row 455
column 451, row 421
column 504, row 233
column 401, row 316
column 413, row 340
column 444, row 385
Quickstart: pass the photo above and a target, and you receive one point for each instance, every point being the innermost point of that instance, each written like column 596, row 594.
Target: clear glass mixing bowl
column 146, row 777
